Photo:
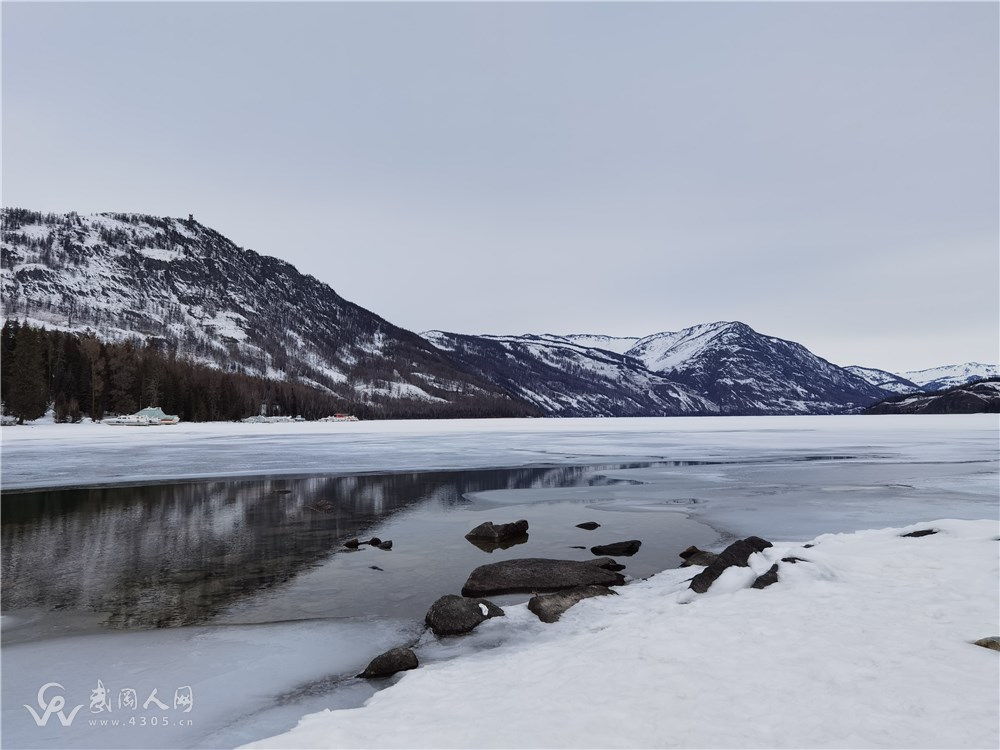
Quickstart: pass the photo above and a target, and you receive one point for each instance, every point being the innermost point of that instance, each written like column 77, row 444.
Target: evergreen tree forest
column 82, row 376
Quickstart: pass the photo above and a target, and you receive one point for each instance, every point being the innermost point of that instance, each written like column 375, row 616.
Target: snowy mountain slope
column 746, row 372
column 186, row 287
column 569, row 379
column 885, row 380
column 948, row 376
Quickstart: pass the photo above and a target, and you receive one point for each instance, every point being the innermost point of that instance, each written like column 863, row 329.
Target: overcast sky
column 826, row 173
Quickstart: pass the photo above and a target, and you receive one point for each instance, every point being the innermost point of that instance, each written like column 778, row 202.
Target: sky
column 827, row 173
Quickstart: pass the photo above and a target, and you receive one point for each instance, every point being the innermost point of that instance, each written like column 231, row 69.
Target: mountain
column 185, row 288
column 717, row 368
column 946, row 376
column 885, row 380
column 569, row 379
column 969, row 398
column 746, row 372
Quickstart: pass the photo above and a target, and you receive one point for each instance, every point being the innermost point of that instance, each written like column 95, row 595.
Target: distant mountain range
column 188, row 289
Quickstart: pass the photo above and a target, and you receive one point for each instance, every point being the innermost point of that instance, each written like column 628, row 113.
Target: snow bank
column 865, row 644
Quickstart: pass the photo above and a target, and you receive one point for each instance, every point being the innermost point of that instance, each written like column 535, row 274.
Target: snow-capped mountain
column 569, row 379
column 885, row 380
column 717, row 368
column 186, row 287
column 948, row 376
column 746, row 372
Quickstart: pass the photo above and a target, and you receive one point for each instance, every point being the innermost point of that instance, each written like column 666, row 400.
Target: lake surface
column 273, row 549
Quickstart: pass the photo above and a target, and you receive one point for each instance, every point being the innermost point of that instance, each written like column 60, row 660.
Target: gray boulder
column 534, row 574
column 392, row 661
column 618, row 549
column 694, row 556
column 549, row 607
column 497, row 531
column 454, row 615
column 736, row 553
column 992, row 642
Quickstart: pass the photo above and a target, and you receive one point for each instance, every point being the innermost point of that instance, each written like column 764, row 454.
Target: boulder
column 392, row 661
column 763, row 581
column 387, row 544
column 374, row 541
column 496, row 532
column 694, row 556
column 618, row 549
column 549, row 607
column 454, row 615
column 534, row 574
column 352, row 543
column 588, row 525
column 992, row 642
column 736, row 553
column 921, row 532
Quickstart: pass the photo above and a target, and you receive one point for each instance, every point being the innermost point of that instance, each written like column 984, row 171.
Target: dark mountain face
column 971, row 398
column 193, row 291
column 569, row 380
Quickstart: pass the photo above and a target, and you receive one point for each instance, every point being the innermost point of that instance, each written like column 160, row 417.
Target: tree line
column 79, row 375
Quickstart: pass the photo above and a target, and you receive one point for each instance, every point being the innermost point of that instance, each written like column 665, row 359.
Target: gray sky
column 827, row 173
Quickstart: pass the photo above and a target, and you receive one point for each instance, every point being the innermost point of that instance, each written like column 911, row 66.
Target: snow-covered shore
column 866, row 644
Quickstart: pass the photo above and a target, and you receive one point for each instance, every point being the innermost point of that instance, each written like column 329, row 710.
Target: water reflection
column 176, row 554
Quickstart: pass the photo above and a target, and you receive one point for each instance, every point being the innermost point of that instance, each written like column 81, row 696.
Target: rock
column 391, row 662
column 577, row 546
column 793, row 559
column 496, row 532
column 352, row 543
column 588, row 525
column 992, row 642
column 549, row 607
column 763, row 581
column 921, row 532
column 374, row 567
column 694, row 556
column 534, row 574
column 374, row 541
column 454, row 615
column 387, row 544
column 808, row 546
column 626, row 549
column 607, row 563
column 736, row 553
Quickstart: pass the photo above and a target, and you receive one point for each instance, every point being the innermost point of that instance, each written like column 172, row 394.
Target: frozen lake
column 264, row 617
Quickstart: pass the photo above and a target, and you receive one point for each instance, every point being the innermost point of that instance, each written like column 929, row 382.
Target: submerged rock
column 534, row 574
column 549, row 607
column 454, row 615
column 392, row 661
column 736, row 553
column 618, row 549
column 491, row 545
